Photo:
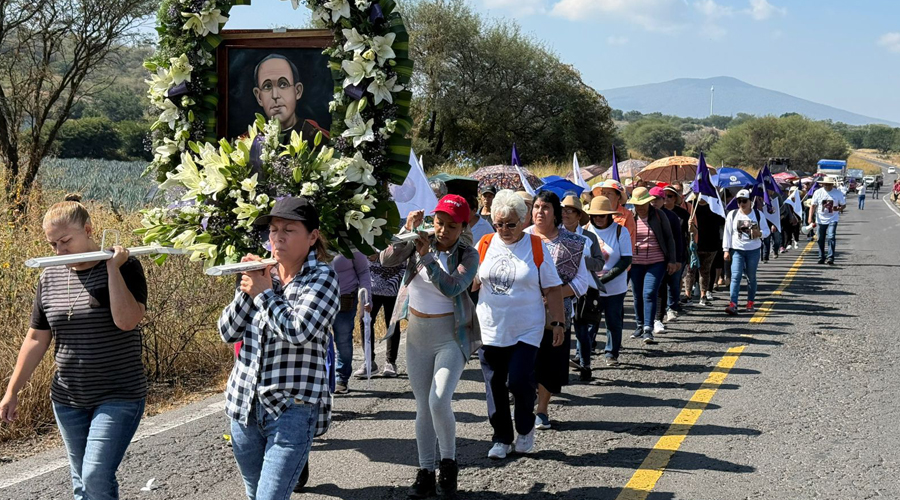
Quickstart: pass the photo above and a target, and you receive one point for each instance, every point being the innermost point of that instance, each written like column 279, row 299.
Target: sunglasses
column 743, row 200
column 670, row 196
column 508, row 225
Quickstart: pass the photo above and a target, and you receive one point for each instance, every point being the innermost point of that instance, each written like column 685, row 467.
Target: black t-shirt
column 709, row 227
column 96, row 361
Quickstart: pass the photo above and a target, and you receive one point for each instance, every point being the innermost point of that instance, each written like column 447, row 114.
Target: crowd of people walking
column 508, row 277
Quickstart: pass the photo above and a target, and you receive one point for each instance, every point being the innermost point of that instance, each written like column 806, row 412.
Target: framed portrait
column 281, row 74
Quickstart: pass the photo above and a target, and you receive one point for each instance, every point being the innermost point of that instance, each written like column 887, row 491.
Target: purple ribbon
column 355, row 92
column 376, row 14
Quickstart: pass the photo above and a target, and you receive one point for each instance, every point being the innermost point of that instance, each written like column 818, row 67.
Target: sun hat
column 640, row 196
column 600, row 205
column 611, row 184
column 572, row 201
column 455, row 206
column 529, row 199
column 678, row 194
column 827, row 180
column 658, row 193
column 292, row 208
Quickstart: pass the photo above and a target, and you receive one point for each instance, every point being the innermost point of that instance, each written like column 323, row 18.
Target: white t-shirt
column 613, row 249
column 510, row 303
column 481, row 228
column 827, row 203
column 737, row 230
column 424, row 296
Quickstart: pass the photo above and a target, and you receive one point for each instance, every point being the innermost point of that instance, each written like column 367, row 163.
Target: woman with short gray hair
column 517, row 273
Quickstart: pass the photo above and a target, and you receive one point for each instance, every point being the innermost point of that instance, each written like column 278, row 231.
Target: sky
column 837, row 52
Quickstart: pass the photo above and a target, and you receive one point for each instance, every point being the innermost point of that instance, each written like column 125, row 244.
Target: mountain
column 689, row 97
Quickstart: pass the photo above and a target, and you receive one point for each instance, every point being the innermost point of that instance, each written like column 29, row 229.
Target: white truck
column 834, row 168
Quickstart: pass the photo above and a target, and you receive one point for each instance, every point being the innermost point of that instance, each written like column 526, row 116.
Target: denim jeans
column 96, row 439
column 270, row 452
column 744, row 262
column 646, row 279
column 669, row 293
column 862, row 202
column 343, row 342
column 826, row 232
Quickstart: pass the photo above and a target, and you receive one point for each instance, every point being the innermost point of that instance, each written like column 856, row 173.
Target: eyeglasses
column 570, row 211
column 743, row 200
column 508, row 225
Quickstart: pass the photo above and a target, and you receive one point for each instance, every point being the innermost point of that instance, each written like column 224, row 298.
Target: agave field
column 117, row 183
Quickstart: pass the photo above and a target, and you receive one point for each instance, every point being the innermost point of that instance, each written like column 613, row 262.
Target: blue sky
column 841, row 53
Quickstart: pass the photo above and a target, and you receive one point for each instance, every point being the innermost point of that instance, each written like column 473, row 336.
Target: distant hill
column 689, row 97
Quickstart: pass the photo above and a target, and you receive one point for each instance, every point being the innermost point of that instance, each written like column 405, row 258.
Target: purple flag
column 615, row 166
column 702, row 183
column 761, row 189
column 770, row 180
column 515, row 157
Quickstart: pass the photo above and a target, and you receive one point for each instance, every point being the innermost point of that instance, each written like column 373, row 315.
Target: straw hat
column 572, row 201
column 640, row 196
column 827, row 180
column 600, row 205
column 611, row 184
column 529, row 200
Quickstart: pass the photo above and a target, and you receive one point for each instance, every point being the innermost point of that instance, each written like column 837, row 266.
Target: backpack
column 537, row 249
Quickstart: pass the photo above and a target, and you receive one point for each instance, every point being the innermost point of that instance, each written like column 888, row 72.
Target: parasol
column 627, row 168
column 733, row 178
column 504, row 177
column 560, row 186
column 672, row 169
column 587, row 173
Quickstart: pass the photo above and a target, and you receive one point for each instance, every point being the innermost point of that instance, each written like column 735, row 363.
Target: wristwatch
column 554, row 324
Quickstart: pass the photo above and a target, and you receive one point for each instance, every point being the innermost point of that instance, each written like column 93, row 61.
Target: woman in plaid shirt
column 279, row 386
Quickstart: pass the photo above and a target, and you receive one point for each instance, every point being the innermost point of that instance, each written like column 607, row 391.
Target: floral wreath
column 221, row 186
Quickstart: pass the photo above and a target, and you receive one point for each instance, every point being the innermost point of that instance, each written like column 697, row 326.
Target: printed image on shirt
column 744, row 228
column 828, row 206
column 502, row 276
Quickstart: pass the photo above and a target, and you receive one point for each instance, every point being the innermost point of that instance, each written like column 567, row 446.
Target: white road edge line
column 890, row 205
column 149, row 429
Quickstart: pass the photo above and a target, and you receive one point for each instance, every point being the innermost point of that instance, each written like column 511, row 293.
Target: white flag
column 415, row 193
column 715, row 203
column 579, row 180
column 525, row 184
column 795, row 202
column 774, row 218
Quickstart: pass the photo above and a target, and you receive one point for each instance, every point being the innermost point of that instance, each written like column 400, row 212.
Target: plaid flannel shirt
column 286, row 336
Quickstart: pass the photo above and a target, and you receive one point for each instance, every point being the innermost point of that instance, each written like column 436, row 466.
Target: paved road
column 809, row 409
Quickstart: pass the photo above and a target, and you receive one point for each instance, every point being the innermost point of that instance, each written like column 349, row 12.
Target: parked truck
column 834, row 168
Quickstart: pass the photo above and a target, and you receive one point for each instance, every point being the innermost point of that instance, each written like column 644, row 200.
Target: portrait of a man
column 291, row 84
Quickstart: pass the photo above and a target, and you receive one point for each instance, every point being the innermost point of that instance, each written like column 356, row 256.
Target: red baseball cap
column 455, row 206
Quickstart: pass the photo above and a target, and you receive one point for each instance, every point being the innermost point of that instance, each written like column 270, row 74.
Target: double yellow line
column 645, row 478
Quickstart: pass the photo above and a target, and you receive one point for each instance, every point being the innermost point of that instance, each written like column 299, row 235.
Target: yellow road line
column 652, row 468
column 645, row 478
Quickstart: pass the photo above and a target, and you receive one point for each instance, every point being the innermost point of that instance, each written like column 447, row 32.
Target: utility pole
column 712, row 91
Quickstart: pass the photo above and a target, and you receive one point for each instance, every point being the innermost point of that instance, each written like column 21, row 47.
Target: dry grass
column 540, row 169
column 183, row 354
column 857, row 161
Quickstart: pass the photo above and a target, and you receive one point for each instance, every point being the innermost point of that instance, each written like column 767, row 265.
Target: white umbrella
column 367, row 329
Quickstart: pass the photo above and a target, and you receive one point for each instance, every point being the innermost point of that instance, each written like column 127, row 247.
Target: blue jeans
column 271, row 453
column 826, row 232
column 96, row 439
column 646, row 279
column 862, row 202
column 744, row 262
column 343, row 342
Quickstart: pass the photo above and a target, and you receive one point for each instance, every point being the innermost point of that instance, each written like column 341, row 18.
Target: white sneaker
column 671, row 316
column 361, row 371
column 499, row 450
column 709, row 296
column 658, row 327
column 525, row 443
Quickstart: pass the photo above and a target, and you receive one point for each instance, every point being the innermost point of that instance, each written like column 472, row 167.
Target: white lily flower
column 169, row 114
column 159, row 83
column 206, row 22
column 168, row 148
column 382, row 89
column 381, row 45
column 369, row 228
column 357, row 70
column 353, row 217
column 362, row 4
column 309, row 189
column 339, row 9
column 180, row 69
column 364, row 201
column 320, row 17
column 360, row 131
column 359, row 170
column 355, row 41
column 250, row 184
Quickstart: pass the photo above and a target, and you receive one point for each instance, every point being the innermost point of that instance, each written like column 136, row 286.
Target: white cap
column 743, row 193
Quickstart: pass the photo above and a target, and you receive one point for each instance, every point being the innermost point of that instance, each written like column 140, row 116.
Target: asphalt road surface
column 797, row 401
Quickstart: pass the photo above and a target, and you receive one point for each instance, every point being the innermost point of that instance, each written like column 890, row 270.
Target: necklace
column 69, row 295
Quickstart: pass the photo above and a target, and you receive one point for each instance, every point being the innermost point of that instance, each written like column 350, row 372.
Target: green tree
column 700, row 140
column 118, row 103
column 654, row 139
column 94, row 137
column 880, row 137
column 802, row 140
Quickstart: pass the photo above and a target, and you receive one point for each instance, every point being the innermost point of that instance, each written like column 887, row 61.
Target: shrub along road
column 802, row 406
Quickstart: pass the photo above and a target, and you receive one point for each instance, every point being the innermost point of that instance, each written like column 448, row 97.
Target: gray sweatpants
column 434, row 363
